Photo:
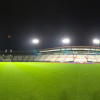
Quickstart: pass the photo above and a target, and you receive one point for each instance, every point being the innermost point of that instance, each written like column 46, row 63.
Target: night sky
column 50, row 21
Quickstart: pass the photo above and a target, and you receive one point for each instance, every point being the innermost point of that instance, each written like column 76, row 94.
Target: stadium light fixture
column 96, row 41
column 66, row 41
column 35, row 41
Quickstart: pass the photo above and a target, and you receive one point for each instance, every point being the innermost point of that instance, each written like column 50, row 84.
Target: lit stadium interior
column 50, row 50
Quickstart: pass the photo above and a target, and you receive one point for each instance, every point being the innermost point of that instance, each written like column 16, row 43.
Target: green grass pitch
column 49, row 81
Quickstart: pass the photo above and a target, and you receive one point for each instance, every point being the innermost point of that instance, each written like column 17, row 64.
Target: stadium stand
column 20, row 58
column 69, row 58
column 7, row 58
column 92, row 58
column 80, row 58
column 42, row 58
column 49, row 57
column 26, row 58
column 36, row 58
column 15, row 58
column 98, row 58
column 1, row 58
column 61, row 58
column 31, row 58
column 70, row 54
column 54, row 58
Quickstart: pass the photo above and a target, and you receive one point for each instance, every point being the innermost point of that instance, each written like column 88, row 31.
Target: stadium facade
column 67, row 54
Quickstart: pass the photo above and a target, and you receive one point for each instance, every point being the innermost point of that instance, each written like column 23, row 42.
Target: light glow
column 35, row 41
column 96, row 41
column 66, row 41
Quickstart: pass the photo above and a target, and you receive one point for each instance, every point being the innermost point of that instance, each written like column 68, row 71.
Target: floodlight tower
column 35, row 41
column 96, row 41
column 66, row 41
